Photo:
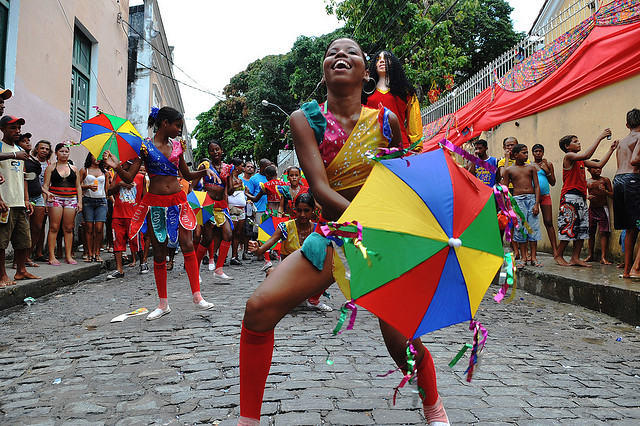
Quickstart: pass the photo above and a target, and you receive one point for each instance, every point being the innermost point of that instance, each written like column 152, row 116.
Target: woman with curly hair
column 392, row 90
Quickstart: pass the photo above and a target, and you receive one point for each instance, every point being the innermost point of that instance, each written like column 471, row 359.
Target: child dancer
column 169, row 214
column 293, row 233
column 219, row 229
column 336, row 169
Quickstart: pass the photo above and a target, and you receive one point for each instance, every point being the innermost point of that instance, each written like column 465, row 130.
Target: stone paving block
column 304, row 404
column 498, row 413
column 278, row 395
column 629, row 412
column 82, row 422
column 19, row 404
column 299, row 384
column 460, row 417
column 148, row 419
column 550, row 401
column 297, row 419
column 390, row 417
column 549, row 413
column 224, row 401
column 324, row 393
column 349, row 418
column 87, row 407
column 208, row 416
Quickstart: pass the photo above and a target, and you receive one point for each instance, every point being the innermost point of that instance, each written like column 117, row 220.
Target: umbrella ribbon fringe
column 510, row 280
column 340, row 233
column 478, row 346
column 501, row 193
column 380, row 154
column 516, row 208
column 459, row 355
column 348, row 306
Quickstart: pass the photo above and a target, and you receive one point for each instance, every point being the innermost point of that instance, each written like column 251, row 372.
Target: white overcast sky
column 214, row 40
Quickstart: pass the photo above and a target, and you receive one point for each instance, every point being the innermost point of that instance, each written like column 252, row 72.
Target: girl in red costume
column 169, row 215
column 219, row 228
column 291, row 193
column 333, row 157
column 392, row 90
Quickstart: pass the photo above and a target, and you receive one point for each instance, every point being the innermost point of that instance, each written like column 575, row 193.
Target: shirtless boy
column 626, row 192
column 526, row 192
column 573, row 217
column 600, row 190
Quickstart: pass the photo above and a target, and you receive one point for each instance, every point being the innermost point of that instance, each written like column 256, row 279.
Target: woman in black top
column 64, row 199
column 36, row 220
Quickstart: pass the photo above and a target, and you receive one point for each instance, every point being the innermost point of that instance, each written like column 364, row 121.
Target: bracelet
column 14, row 154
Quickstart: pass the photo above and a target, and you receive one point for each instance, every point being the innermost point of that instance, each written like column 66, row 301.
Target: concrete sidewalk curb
column 618, row 301
column 15, row 295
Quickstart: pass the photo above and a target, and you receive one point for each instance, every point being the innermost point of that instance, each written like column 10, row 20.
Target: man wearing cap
column 15, row 207
column 4, row 95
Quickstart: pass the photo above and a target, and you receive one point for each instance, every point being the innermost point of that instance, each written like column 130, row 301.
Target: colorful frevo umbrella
column 431, row 233
column 268, row 227
column 106, row 132
column 202, row 205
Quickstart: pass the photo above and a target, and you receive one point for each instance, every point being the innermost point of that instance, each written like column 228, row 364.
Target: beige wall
column 43, row 65
column 585, row 117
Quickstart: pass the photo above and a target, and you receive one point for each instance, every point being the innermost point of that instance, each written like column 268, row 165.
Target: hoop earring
column 375, row 83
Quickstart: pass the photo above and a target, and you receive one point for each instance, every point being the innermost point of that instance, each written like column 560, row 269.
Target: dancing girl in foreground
column 169, row 214
column 330, row 140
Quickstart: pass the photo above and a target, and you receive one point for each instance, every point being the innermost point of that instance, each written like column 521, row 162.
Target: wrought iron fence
column 540, row 37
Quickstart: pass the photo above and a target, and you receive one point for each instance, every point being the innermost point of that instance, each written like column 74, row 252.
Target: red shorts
column 120, row 227
column 545, row 200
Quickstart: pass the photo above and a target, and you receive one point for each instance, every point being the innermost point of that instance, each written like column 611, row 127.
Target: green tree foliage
column 434, row 39
column 243, row 126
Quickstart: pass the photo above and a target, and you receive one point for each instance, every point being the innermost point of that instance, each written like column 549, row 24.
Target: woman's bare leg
column 55, row 220
column 294, row 280
column 68, row 223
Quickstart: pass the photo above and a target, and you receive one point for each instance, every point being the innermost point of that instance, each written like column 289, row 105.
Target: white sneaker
column 212, row 266
column 204, row 305
column 320, row 306
column 266, row 266
column 222, row 276
column 158, row 313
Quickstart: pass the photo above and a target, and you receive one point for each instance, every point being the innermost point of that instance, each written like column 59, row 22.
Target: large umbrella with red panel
column 432, row 233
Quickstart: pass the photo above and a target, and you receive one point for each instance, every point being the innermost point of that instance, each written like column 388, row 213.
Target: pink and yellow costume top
column 347, row 166
column 344, row 155
column 167, row 212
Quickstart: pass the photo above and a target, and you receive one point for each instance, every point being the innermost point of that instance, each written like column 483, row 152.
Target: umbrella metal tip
column 455, row 242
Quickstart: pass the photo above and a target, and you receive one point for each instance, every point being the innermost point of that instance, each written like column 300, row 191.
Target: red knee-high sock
column 160, row 273
column 267, row 258
column 315, row 299
column 256, row 349
column 200, row 252
column 427, row 378
column 191, row 265
column 212, row 250
column 222, row 253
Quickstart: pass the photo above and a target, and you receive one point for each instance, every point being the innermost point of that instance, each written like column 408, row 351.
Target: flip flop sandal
column 31, row 264
column 537, row 264
column 520, row 264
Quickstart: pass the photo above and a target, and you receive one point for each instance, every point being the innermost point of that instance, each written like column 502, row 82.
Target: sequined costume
column 343, row 155
column 168, row 212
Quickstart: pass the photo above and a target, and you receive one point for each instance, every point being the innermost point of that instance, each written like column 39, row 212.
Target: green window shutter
column 4, row 23
column 80, row 78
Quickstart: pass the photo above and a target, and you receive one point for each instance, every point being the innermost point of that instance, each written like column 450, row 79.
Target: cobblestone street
column 63, row 362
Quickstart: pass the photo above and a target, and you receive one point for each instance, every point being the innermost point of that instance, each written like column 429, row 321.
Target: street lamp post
column 266, row 103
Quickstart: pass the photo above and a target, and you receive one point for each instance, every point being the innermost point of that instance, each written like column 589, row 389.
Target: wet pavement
column 63, row 362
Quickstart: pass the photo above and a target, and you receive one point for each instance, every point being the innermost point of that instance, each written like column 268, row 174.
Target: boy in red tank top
column 573, row 219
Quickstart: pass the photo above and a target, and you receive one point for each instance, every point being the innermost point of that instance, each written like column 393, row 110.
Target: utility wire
column 168, row 59
column 440, row 18
column 384, row 30
column 362, row 19
column 179, row 81
column 90, row 70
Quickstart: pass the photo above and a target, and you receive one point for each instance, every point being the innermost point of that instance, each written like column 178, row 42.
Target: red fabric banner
column 608, row 55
